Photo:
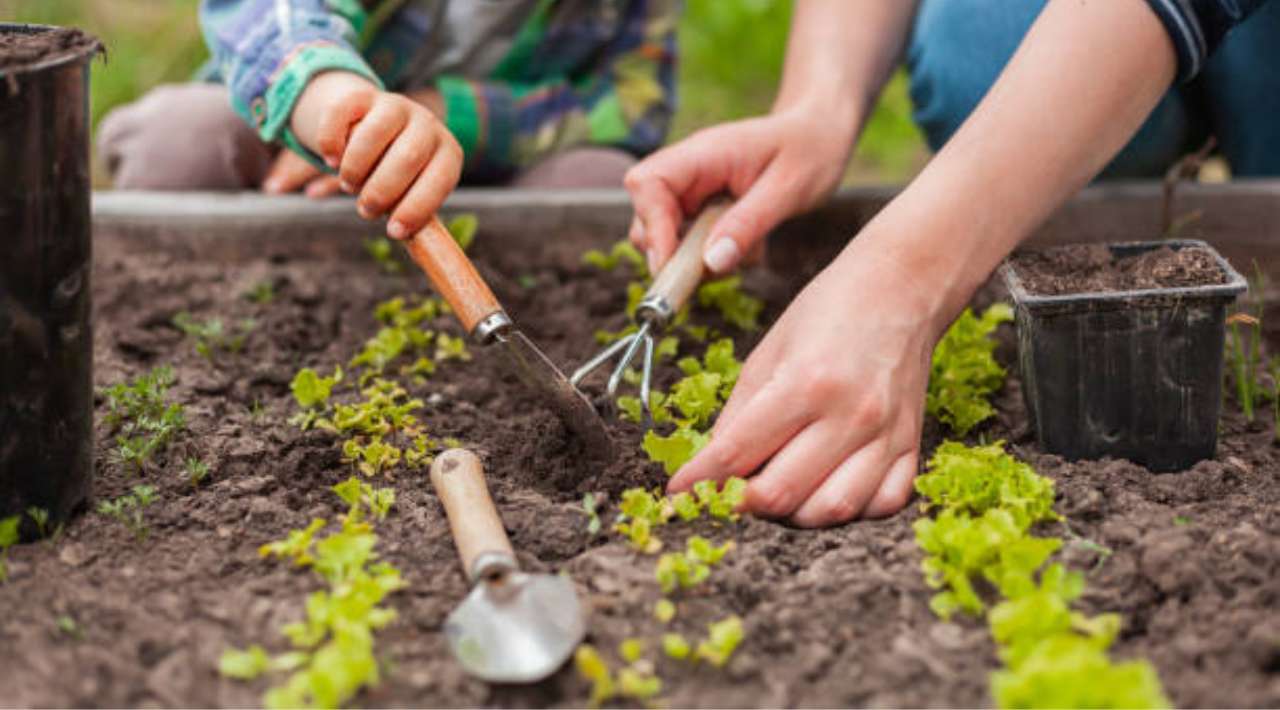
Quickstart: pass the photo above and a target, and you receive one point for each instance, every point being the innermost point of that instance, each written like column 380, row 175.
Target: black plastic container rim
column 56, row 62
column 1234, row 286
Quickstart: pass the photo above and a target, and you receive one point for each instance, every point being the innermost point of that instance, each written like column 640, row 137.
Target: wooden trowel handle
column 682, row 274
column 453, row 274
column 459, row 481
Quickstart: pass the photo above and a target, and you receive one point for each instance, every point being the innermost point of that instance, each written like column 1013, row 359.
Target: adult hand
column 776, row 165
column 831, row 402
column 388, row 149
column 290, row 173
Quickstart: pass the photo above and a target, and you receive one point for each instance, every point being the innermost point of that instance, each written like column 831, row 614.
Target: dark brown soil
column 19, row 50
column 1093, row 268
column 833, row 618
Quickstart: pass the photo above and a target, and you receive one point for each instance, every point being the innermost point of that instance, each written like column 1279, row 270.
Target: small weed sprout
column 8, row 538
column 40, row 517
column 69, row 627
column 197, row 470
column 212, row 336
column 1245, row 354
column 593, row 515
column 262, row 293
column 144, row 422
column 129, row 509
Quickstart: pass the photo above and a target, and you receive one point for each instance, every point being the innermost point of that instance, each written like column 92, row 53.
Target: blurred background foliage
column 731, row 60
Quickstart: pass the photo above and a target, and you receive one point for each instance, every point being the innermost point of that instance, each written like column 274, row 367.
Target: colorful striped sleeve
column 1197, row 27
column 267, row 50
column 625, row 100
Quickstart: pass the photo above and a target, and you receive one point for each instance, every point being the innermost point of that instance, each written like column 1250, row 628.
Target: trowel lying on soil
column 513, row 627
column 457, row 280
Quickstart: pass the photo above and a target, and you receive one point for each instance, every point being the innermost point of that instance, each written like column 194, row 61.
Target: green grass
column 731, row 59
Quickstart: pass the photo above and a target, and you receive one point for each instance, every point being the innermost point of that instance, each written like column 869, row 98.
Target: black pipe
column 46, row 343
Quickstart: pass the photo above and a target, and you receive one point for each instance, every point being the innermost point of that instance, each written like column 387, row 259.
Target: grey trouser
column 187, row 137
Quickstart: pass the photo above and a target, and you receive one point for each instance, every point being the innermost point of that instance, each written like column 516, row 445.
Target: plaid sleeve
column 625, row 100
column 1197, row 27
column 267, row 50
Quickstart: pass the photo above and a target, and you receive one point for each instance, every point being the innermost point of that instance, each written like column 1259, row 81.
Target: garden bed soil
column 23, row 49
column 832, row 617
column 1093, row 268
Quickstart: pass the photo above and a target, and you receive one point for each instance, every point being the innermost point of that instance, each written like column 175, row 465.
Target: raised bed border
column 1241, row 219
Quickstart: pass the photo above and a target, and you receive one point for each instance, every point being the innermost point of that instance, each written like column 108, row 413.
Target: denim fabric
column 958, row 49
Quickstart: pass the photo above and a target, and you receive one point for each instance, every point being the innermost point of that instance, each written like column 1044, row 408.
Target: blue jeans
column 957, row 50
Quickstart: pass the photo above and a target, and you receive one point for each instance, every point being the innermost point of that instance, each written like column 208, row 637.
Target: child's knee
column 181, row 137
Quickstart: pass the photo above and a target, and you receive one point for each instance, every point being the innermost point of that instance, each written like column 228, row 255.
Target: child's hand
column 290, row 173
column 387, row 148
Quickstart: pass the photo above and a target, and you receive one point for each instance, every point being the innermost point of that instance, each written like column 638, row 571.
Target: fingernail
column 273, row 186
column 653, row 260
column 331, row 162
column 397, row 229
column 723, row 255
column 364, row 211
column 347, row 187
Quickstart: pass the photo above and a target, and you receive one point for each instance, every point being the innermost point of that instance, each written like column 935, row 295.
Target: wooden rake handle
column 453, row 274
column 477, row 530
column 682, row 274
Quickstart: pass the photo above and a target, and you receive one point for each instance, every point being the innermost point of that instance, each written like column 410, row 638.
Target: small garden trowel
column 513, row 627
column 456, row 278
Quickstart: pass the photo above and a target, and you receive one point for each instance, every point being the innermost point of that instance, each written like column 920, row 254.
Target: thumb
column 743, row 227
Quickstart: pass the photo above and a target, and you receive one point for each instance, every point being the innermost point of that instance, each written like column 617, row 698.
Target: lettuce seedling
column 311, row 390
column 979, row 478
column 463, row 229
column 621, row 252
column 724, row 502
column 691, row 567
column 8, row 538
column 380, row 249
column 449, row 347
column 40, row 517
column 723, row 638
column 593, row 668
column 675, row 449
column 664, row 610
column 593, row 515
column 735, row 306
column 1071, row 671
column 296, row 545
column 675, row 646
column 964, row 372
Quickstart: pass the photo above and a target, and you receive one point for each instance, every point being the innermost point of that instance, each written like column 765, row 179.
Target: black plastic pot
column 46, row 345
column 1132, row 374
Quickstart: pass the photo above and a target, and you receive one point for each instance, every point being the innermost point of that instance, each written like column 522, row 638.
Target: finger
column 335, row 126
column 369, row 140
column 744, row 225
column 396, row 172
column 767, row 422
column 657, row 212
column 428, row 193
column 795, row 472
column 895, row 491
column 323, row 186
column 848, row 489
column 288, row 173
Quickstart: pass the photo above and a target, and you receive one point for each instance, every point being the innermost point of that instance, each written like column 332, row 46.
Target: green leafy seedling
column 212, row 336
column 68, row 627
column 381, row 250
column 129, row 509
column 40, row 517
column 964, row 372
column 593, row 515
column 463, row 228
column 8, row 538
column 197, row 470
column 144, row 422
column 664, row 610
column 723, row 638
column 261, row 293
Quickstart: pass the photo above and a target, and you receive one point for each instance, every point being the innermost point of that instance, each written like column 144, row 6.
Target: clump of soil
column 22, row 49
column 836, row 617
column 1094, row 268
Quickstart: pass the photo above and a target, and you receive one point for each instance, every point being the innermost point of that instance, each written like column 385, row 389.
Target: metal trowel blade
column 518, row 628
